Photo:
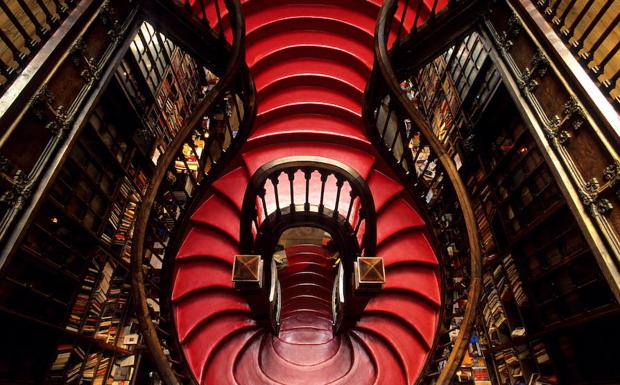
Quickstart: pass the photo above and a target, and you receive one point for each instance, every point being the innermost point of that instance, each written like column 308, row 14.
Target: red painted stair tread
column 389, row 366
column 310, row 89
column 396, row 217
column 229, row 186
column 199, row 347
column 383, row 188
column 407, row 346
column 294, row 61
column 192, row 310
column 426, row 281
column 359, row 13
column 310, row 119
column 419, row 315
column 411, row 247
column 219, row 246
column 217, row 213
column 297, row 35
column 194, row 275
column 221, row 369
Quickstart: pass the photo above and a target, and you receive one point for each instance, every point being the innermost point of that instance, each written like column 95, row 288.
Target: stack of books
column 515, row 281
column 540, row 353
column 98, row 300
column 78, row 311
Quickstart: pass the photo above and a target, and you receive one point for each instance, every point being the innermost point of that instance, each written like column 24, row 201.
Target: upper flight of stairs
column 310, row 61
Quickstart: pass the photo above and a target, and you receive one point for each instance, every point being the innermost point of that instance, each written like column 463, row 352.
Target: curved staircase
column 310, row 61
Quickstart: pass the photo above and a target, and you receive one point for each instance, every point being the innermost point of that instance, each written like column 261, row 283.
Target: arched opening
column 307, row 259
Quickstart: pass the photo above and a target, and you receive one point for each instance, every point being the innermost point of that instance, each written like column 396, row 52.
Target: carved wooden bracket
column 19, row 192
column 89, row 70
column 540, row 66
column 44, row 109
column 558, row 130
column 595, row 195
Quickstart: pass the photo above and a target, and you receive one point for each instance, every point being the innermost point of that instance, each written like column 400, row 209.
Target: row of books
column 122, row 214
column 473, row 368
column 98, row 299
column 82, row 299
column 73, row 366
column 516, row 284
column 492, row 311
column 140, row 180
column 114, row 308
column 508, row 366
column 186, row 71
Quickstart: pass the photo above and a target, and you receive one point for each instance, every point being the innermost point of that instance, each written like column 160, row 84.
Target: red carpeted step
column 190, row 311
column 390, row 368
column 228, row 186
column 311, row 354
column 395, row 217
column 218, row 213
column 307, row 288
column 328, row 362
column 221, row 368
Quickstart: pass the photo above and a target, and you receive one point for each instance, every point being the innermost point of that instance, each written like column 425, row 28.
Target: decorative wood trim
column 63, row 123
column 555, row 133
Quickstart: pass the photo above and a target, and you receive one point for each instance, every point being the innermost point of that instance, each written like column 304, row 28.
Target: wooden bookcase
column 545, row 305
column 65, row 295
column 540, row 277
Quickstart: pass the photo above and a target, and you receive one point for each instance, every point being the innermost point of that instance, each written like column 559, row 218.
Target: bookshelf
column 70, row 278
column 542, row 288
column 449, row 92
column 540, row 276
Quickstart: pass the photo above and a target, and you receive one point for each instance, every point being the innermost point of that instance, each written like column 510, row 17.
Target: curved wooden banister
column 167, row 160
column 308, row 165
column 260, row 227
column 385, row 77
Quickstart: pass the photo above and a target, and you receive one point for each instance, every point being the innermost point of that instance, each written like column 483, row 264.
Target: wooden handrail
column 338, row 221
column 383, row 73
column 325, row 165
column 235, row 66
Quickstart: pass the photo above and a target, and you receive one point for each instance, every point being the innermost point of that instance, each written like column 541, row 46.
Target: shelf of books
column 70, row 274
column 539, row 273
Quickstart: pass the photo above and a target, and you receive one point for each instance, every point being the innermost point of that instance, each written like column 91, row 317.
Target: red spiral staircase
column 310, row 61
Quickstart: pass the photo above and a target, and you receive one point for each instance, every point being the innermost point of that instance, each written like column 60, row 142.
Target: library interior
column 309, row 192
